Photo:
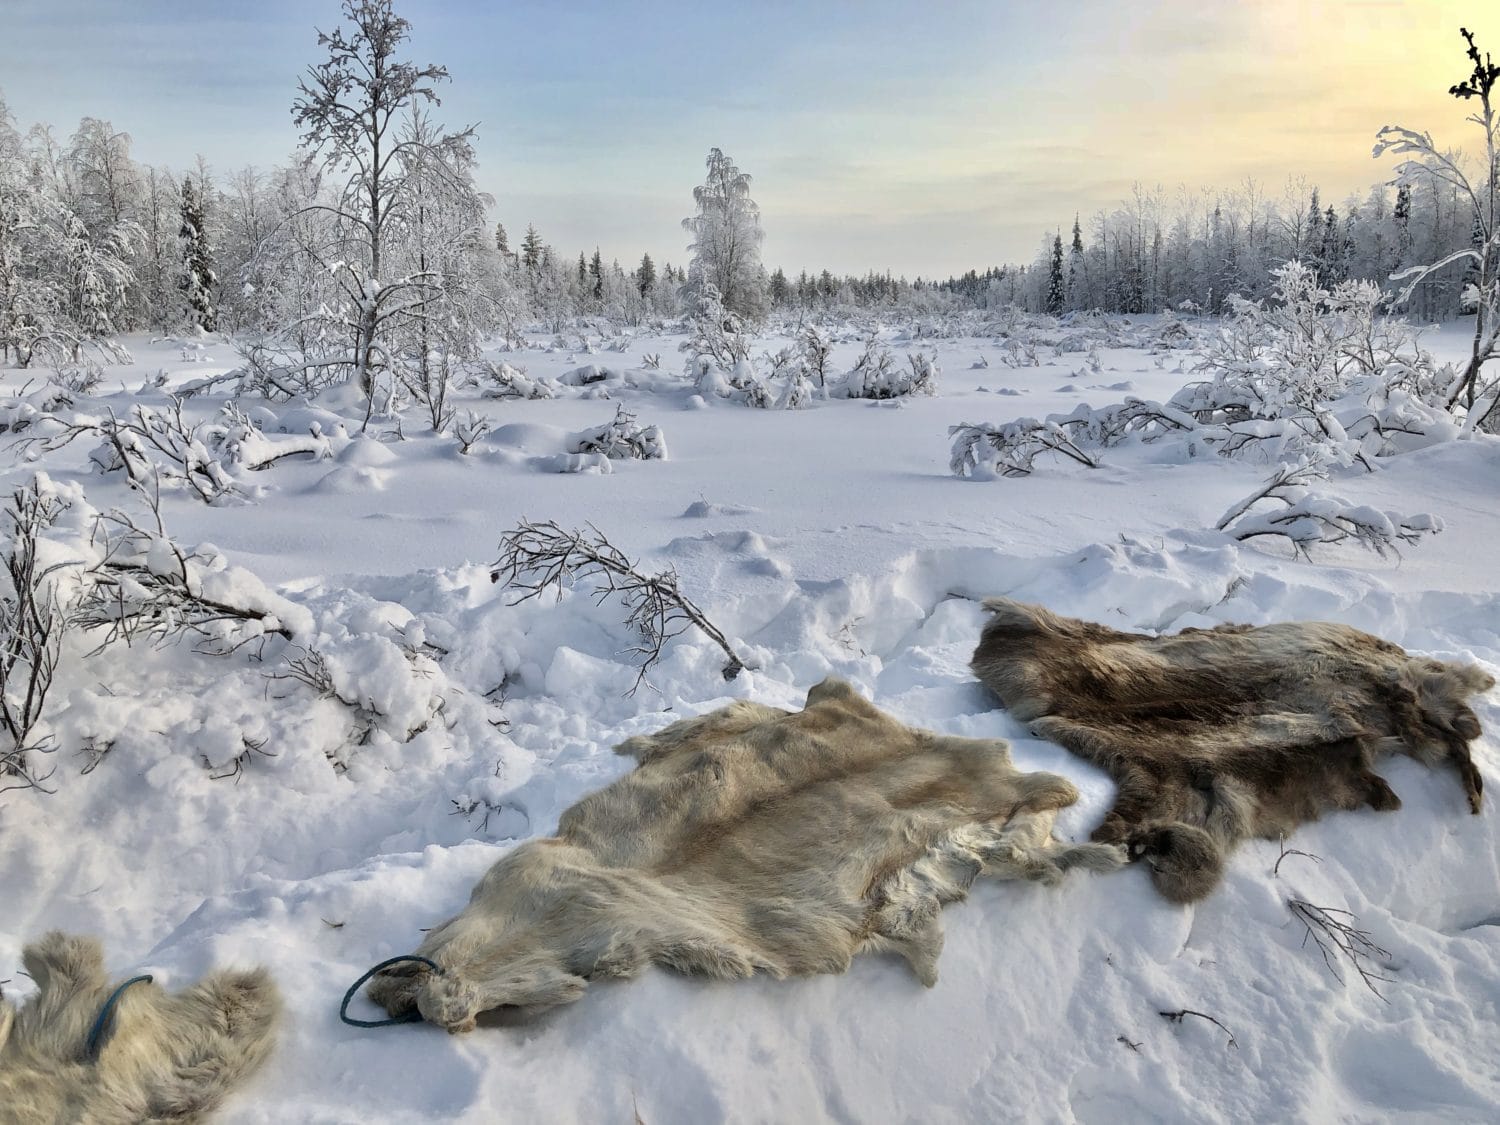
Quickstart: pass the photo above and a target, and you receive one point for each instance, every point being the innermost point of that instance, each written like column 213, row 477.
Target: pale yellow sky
column 1178, row 94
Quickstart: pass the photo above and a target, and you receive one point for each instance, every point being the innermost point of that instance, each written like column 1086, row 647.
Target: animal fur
column 165, row 1057
column 1219, row 734
column 749, row 839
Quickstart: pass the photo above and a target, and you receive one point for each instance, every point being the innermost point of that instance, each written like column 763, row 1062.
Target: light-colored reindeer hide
column 748, row 839
column 163, row 1057
column 1213, row 735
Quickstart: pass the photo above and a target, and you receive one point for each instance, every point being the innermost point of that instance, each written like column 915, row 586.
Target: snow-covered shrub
column 1438, row 169
column 112, row 578
column 788, row 372
column 371, row 657
column 33, row 619
column 501, row 380
column 138, row 583
column 1321, row 373
column 983, row 451
column 1073, row 343
column 1170, row 332
column 239, row 440
column 1020, row 352
column 468, row 429
column 25, row 407
column 715, row 332
column 757, row 395
column 589, row 375
column 622, row 438
column 796, row 391
column 817, row 350
column 1286, row 506
column 1308, row 345
column 877, row 375
column 924, row 373
column 151, row 445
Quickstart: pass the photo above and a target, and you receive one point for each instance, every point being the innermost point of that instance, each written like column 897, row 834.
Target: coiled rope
column 405, row 1017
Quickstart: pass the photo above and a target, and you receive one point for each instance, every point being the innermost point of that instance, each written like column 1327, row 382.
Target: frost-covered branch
column 1306, row 518
column 143, row 585
column 982, row 450
column 32, row 623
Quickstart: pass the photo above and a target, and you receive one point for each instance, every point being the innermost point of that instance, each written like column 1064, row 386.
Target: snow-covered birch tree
column 350, row 109
column 452, row 303
column 1482, row 194
column 726, row 240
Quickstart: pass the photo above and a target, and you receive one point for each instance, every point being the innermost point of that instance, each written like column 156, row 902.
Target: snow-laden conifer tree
column 1056, row 289
column 531, row 249
column 198, row 278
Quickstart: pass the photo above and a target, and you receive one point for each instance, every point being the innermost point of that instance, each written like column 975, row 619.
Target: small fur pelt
column 162, row 1057
column 748, row 839
column 1214, row 735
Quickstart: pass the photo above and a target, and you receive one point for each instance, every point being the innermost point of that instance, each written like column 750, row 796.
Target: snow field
column 234, row 815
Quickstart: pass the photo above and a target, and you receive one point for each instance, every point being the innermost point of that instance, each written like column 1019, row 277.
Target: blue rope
column 101, row 1022
column 405, row 1017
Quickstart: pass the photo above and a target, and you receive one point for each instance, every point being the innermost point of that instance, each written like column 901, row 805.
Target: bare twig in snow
column 1181, row 1013
column 1336, row 935
column 536, row 557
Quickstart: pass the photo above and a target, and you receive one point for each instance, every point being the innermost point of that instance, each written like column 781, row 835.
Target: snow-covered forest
column 351, row 523
column 98, row 244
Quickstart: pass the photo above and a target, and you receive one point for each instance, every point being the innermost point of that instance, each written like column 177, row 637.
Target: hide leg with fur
column 475, row 977
column 710, row 956
column 162, row 1057
column 1137, row 795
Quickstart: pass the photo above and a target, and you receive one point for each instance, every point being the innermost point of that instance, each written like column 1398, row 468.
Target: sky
column 925, row 138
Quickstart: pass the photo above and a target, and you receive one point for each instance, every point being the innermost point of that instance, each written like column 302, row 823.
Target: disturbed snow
column 826, row 541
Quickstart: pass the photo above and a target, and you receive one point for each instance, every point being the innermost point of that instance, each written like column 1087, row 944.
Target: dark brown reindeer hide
column 748, row 839
column 1213, row 735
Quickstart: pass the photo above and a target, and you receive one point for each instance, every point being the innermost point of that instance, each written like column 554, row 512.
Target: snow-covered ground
column 231, row 814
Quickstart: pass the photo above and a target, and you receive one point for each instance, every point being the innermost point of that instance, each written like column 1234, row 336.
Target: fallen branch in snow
column 536, row 557
column 1010, row 449
column 151, row 445
column 145, row 584
column 242, row 442
column 1286, row 851
column 1182, row 1013
column 1336, row 938
column 311, row 669
column 1306, row 517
